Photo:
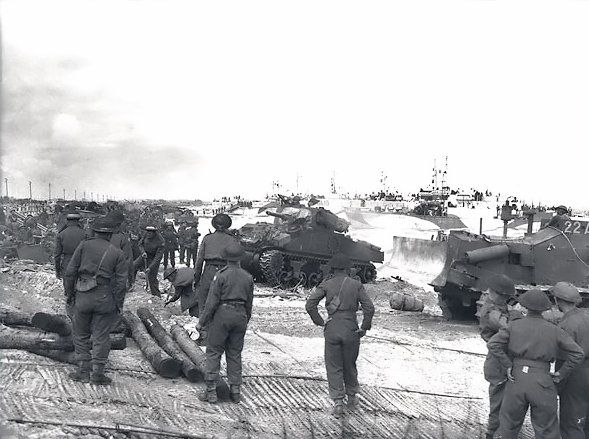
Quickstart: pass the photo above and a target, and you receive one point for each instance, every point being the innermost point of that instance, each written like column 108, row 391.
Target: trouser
column 154, row 284
column 204, row 285
column 496, row 392
column 191, row 256
column 69, row 307
column 534, row 389
column 226, row 334
column 188, row 299
column 171, row 255
column 574, row 402
column 182, row 253
column 342, row 346
column 94, row 314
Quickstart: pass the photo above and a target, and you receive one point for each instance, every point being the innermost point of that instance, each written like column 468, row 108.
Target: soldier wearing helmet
column 560, row 218
column 210, row 254
column 493, row 316
column 526, row 347
column 227, row 312
column 66, row 243
column 574, row 392
column 343, row 295
column 96, row 281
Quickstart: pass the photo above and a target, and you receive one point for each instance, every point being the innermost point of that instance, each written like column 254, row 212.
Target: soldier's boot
column 235, row 393
column 210, row 394
column 82, row 373
column 338, row 408
column 353, row 402
column 98, row 377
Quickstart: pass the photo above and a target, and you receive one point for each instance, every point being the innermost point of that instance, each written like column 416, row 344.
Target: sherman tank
column 296, row 248
column 538, row 260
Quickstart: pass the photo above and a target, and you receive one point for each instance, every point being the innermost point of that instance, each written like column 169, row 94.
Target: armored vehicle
column 296, row 249
column 538, row 260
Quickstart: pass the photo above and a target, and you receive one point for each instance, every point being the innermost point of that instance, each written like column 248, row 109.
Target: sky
column 183, row 99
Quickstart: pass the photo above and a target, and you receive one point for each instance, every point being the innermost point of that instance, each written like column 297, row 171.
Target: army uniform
column 559, row 220
column 170, row 246
column 182, row 279
column 191, row 244
column 153, row 246
column 342, row 337
column 96, row 310
column 494, row 316
column 227, row 312
column 574, row 391
column 182, row 242
column 528, row 346
column 66, row 243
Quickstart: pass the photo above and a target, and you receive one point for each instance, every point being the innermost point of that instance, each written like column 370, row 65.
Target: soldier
column 120, row 240
column 574, row 392
column 494, row 315
column 66, row 243
column 182, row 242
column 560, row 218
column 170, row 245
column 182, row 279
column 152, row 245
column 96, row 279
column 526, row 348
column 227, row 312
column 211, row 255
column 191, row 243
column 342, row 335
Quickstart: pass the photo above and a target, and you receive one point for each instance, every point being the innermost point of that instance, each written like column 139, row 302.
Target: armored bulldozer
column 296, row 248
column 538, row 260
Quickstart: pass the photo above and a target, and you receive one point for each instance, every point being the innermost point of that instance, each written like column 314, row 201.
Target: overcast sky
column 198, row 99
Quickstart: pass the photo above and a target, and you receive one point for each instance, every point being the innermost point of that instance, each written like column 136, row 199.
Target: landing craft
column 538, row 260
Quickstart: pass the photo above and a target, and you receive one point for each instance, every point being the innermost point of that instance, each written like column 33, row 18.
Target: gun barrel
column 282, row 216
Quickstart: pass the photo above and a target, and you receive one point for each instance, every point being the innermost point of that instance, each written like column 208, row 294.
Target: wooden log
column 26, row 339
column 167, row 343
column 197, row 356
column 162, row 363
column 13, row 338
column 13, row 317
column 58, row 323
column 61, row 356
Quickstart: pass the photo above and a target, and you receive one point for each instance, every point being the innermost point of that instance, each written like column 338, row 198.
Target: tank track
column 275, row 271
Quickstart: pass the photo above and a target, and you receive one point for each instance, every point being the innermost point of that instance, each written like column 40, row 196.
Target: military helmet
column 169, row 271
column 562, row 207
column 233, row 252
column 150, row 228
column 535, row 300
column 73, row 216
column 101, row 225
column 221, row 221
column 501, row 284
column 340, row 261
column 566, row 291
column 116, row 217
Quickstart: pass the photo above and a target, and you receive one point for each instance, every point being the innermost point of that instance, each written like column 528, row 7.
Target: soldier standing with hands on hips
column 227, row 312
column 96, row 280
column 342, row 336
column 526, row 347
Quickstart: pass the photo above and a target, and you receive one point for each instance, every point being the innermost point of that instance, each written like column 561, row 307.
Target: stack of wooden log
column 44, row 334
column 170, row 354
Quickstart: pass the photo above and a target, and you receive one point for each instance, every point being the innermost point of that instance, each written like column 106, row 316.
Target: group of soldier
column 98, row 270
column 522, row 345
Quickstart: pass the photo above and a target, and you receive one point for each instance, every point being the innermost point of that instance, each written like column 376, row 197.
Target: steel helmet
column 566, row 291
column 221, row 221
